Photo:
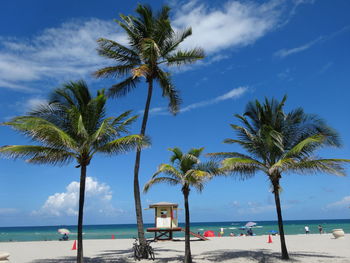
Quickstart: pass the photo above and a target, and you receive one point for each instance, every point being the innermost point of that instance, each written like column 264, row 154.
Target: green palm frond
column 124, row 144
column 310, row 166
column 42, row 131
column 185, row 57
column 123, row 87
column 168, row 90
column 37, row 154
column 168, row 170
column 171, row 43
column 158, row 180
column 115, row 71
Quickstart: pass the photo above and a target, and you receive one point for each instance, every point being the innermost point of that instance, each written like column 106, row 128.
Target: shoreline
column 303, row 248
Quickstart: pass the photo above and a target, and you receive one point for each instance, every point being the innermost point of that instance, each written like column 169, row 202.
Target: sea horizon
column 127, row 231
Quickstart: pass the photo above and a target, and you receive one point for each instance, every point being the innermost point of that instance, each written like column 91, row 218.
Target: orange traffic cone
column 269, row 239
column 74, row 245
column 113, row 237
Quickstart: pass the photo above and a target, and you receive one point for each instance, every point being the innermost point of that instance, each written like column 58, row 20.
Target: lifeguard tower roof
column 163, row 204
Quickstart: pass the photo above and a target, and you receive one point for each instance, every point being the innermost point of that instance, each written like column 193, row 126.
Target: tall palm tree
column 277, row 143
column 152, row 48
column 187, row 171
column 73, row 127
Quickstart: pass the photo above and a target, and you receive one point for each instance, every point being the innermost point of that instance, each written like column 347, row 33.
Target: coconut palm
column 187, row 171
column 153, row 46
column 277, row 143
column 73, row 127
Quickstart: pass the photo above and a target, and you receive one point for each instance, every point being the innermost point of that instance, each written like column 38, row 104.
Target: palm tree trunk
column 280, row 221
column 141, row 233
column 80, row 256
column 188, row 256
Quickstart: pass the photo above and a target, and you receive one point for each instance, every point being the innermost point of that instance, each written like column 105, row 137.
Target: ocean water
column 42, row 233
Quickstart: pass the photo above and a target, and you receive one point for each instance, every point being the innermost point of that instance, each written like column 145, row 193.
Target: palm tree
column 152, row 49
column 187, row 171
column 277, row 143
column 72, row 127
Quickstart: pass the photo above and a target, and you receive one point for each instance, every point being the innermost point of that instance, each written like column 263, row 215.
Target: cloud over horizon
column 98, row 198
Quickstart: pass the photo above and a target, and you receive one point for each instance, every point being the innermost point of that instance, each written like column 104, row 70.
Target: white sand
column 302, row 248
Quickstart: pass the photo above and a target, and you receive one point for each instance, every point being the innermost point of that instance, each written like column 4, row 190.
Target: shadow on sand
column 258, row 256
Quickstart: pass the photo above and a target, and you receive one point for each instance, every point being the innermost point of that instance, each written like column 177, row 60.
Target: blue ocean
column 291, row 227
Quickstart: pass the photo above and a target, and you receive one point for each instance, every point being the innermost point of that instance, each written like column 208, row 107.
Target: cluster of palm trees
column 72, row 126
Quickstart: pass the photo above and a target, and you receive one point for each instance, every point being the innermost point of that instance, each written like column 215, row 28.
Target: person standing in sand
column 221, row 231
column 320, row 229
column 307, row 229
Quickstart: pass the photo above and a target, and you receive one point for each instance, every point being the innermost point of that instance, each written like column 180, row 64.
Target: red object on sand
column 269, row 239
column 74, row 245
column 113, row 237
column 209, row 233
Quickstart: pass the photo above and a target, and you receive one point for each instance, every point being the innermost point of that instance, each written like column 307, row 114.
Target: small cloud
column 343, row 203
column 282, row 53
column 232, row 94
column 98, row 198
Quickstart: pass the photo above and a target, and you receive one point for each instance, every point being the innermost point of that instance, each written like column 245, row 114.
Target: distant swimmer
column 307, row 229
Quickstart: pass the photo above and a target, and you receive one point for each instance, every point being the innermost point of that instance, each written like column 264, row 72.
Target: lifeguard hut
column 165, row 219
column 166, row 222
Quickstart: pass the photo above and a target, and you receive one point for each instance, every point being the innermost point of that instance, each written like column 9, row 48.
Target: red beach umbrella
column 209, row 233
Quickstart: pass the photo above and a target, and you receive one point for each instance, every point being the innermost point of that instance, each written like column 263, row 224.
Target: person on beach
column 307, row 229
column 320, row 229
column 221, row 231
column 65, row 237
column 249, row 232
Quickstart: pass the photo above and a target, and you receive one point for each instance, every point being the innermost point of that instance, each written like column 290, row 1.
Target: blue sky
column 254, row 49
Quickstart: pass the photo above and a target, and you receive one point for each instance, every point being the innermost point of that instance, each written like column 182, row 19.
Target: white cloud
column 68, row 51
column 98, row 198
column 233, row 24
column 343, row 203
column 282, row 53
column 232, row 94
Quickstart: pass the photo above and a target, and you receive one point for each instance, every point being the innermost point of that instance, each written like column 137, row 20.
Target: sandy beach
column 302, row 248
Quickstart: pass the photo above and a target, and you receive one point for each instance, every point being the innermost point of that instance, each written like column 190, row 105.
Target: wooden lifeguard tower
column 166, row 221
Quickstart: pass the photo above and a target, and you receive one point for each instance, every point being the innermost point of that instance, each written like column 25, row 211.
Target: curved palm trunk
column 80, row 255
column 280, row 221
column 188, row 256
column 141, row 233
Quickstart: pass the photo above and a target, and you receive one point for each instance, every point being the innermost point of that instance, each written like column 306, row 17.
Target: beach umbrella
column 63, row 231
column 250, row 224
column 209, row 233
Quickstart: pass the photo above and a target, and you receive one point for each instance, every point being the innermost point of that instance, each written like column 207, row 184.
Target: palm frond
column 168, row 90
column 185, row 57
column 123, row 87
column 37, row 154
column 158, row 180
column 124, row 144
